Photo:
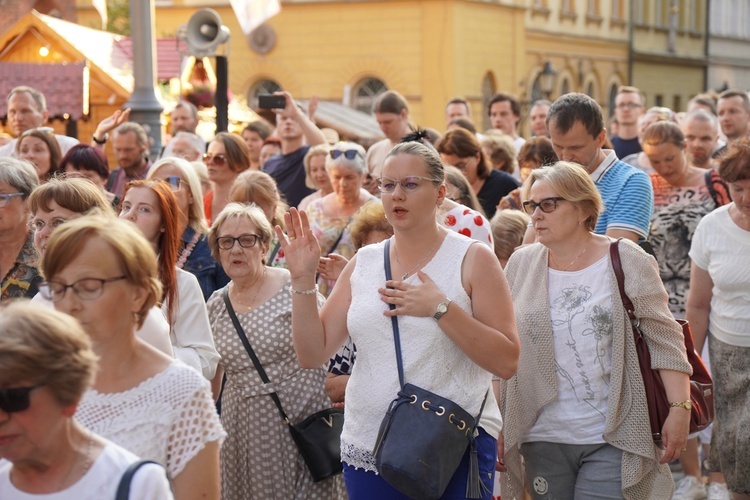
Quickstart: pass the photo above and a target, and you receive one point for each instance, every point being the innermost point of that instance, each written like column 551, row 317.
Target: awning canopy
column 350, row 123
column 62, row 85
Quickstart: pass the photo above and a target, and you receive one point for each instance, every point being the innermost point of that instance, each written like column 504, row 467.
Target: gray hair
column 193, row 140
column 38, row 97
column 20, row 174
column 704, row 116
column 358, row 163
column 250, row 212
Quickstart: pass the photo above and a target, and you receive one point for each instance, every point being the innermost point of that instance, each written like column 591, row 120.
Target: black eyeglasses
column 246, row 241
column 16, row 399
column 5, row 198
column 349, row 154
column 217, row 160
column 547, row 205
column 175, row 181
column 85, row 289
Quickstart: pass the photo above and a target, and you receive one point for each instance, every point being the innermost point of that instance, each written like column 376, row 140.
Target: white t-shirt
column 722, row 248
column 581, row 312
column 100, row 482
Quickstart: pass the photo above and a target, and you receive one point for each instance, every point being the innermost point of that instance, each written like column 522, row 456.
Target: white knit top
column 167, row 418
column 431, row 359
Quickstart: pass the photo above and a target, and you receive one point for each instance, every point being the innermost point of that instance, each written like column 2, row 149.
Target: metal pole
column 143, row 102
column 221, row 100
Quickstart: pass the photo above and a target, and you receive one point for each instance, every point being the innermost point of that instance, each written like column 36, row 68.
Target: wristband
column 100, row 142
column 311, row 291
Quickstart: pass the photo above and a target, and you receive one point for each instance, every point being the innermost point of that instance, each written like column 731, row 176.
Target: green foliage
column 118, row 13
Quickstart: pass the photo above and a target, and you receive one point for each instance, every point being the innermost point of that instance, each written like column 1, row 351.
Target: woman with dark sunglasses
column 226, row 157
column 46, row 365
column 194, row 254
column 331, row 215
column 576, row 409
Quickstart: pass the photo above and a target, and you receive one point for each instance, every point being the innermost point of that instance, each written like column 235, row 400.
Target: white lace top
column 167, row 418
column 431, row 359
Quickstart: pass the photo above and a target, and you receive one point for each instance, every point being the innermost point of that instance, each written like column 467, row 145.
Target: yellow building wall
column 428, row 50
column 682, row 81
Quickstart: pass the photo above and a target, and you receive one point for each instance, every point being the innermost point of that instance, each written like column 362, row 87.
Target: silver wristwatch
column 442, row 308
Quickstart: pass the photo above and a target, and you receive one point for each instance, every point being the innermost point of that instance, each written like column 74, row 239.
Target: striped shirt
column 627, row 194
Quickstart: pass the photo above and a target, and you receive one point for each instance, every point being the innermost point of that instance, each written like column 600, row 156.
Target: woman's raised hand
column 301, row 248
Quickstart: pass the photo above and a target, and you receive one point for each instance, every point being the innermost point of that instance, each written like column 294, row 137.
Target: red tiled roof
column 168, row 56
column 61, row 84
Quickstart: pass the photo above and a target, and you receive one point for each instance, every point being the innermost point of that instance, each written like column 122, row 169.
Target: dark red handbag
column 701, row 385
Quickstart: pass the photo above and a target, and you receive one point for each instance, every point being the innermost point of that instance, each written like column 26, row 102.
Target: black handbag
column 318, row 437
column 424, row 436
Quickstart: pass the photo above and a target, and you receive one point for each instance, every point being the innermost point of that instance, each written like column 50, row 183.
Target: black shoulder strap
column 711, row 188
column 249, row 349
column 394, row 319
column 276, row 248
column 123, row 489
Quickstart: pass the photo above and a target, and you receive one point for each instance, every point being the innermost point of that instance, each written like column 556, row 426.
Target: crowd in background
column 287, row 223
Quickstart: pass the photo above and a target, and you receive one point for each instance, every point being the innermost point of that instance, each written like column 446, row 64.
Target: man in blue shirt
column 577, row 132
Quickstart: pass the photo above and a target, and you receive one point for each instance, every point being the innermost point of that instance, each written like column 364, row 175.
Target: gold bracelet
column 311, row 291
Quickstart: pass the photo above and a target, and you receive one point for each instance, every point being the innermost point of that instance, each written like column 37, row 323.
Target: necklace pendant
column 405, row 275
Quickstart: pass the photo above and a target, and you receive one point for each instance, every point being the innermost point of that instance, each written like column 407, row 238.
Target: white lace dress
column 168, row 418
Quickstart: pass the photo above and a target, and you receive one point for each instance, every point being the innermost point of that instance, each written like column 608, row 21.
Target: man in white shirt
column 27, row 109
column 505, row 112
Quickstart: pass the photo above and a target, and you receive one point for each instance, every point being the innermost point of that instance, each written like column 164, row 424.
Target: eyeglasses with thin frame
column 5, row 198
column 16, row 399
column 38, row 226
column 628, row 105
column 349, row 154
column 85, row 289
column 546, row 205
column 217, row 160
column 175, row 181
column 245, row 241
column 408, row 184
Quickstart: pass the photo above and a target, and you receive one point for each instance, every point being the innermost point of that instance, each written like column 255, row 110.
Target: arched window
column 565, row 86
column 591, row 90
column 611, row 100
column 365, row 93
column 265, row 86
column 488, row 91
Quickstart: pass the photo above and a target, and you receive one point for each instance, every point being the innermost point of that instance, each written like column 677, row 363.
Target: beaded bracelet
column 311, row 291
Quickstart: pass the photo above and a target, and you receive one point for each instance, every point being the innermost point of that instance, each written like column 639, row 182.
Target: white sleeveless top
column 431, row 359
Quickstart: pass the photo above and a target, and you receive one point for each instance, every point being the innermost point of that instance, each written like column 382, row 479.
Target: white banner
column 253, row 13
column 101, row 7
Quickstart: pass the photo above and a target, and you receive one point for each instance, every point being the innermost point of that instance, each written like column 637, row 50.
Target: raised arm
column 317, row 335
column 311, row 132
column 107, row 125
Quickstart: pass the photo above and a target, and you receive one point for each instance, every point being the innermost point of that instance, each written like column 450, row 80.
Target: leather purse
column 318, row 437
column 424, row 436
column 701, row 385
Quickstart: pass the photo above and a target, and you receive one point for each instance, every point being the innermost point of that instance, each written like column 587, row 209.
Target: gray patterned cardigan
column 534, row 385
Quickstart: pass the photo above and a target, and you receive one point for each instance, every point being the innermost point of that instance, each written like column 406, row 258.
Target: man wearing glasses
column 27, row 109
column 297, row 133
column 629, row 103
column 130, row 144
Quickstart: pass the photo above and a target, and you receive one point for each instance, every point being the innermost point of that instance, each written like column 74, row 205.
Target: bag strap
column 250, row 352
column 394, row 319
column 614, row 255
column 276, row 248
column 123, row 489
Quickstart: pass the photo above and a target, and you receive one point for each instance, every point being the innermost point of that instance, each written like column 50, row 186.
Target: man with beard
column 130, row 144
column 701, row 130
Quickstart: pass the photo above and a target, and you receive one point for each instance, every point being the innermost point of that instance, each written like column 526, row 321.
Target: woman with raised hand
column 259, row 459
column 194, row 253
column 451, row 300
column 46, row 366
column 152, row 207
column 103, row 272
column 576, row 409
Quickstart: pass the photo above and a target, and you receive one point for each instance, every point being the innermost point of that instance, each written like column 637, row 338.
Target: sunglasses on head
column 349, row 154
column 175, row 181
column 16, row 399
column 215, row 159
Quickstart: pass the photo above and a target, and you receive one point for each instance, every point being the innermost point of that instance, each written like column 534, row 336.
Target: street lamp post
column 144, row 105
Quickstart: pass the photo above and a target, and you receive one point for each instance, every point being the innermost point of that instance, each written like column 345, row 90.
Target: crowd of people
column 139, row 301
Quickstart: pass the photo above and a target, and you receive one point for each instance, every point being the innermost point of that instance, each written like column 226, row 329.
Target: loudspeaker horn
column 205, row 32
